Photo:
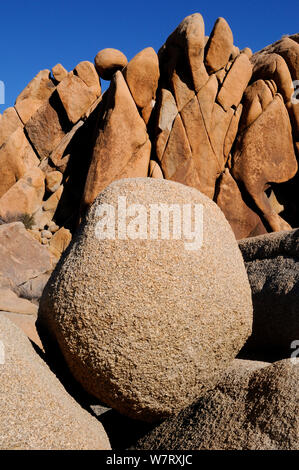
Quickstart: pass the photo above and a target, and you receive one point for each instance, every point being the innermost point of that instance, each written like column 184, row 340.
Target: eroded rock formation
column 200, row 112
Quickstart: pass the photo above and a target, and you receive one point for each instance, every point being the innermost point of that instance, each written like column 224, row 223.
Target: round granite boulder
column 148, row 318
column 108, row 61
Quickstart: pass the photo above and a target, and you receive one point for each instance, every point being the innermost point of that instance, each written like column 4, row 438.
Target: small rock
column 53, row 181
column 46, row 234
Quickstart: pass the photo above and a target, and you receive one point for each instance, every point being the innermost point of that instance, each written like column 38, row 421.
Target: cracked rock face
column 147, row 325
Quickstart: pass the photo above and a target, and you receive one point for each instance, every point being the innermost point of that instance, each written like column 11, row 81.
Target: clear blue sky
column 37, row 34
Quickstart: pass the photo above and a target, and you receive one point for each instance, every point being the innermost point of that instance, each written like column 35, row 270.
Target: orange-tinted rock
column 59, row 72
column 177, row 163
column 154, row 170
column 53, row 181
column 235, row 82
column 204, row 159
column 181, row 60
column 265, row 153
column 61, row 240
column 108, row 61
column 122, row 148
column 25, row 196
column 44, row 130
column 166, row 115
column 16, row 157
column 34, row 95
column 75, row 96
column 219, row 46
column 87, row 72
column 9, row 123
column 243, row 220
column 142, row 75
column 256, row 99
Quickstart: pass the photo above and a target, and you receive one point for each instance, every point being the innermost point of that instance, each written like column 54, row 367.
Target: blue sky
column 38, row 34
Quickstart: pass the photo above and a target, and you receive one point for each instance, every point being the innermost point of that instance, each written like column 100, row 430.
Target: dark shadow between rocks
column 122, row 431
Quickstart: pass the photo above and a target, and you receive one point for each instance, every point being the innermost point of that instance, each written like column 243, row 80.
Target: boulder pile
column 188, row 331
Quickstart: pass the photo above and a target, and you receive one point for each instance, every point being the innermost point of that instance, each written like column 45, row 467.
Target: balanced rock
column 108, row 61
column 254, row 407
column 147, row 324
column 35, row 410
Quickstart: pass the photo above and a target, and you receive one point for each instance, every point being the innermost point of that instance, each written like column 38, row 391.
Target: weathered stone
column 219, row 46
column 44, row 130
column 57, row 156
column 45, row 417
column 190, row 37
column 59, row 72
column 204, row 159
column 53, row 181
column 166, row 116
column 52, row 202
column 243, row 220
column 9, row 123
column 10, row 302
column 16, row 158
column 25, row 196
column 70, row 87
column 254, row 407
column 154, row 170
column 177, row 163
column 87, row 72
column 61, row 240
column 160, row 321
column 122, row 148
column 108, row 61
column 34, row 95
column 46, row 234
column 21, row 257
column 263, row 153
column 235, row 82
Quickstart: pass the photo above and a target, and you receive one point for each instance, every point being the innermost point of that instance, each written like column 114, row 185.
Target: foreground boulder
column 272, row 263
column 146, row 325
column 36, row 412
column 254, row 407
